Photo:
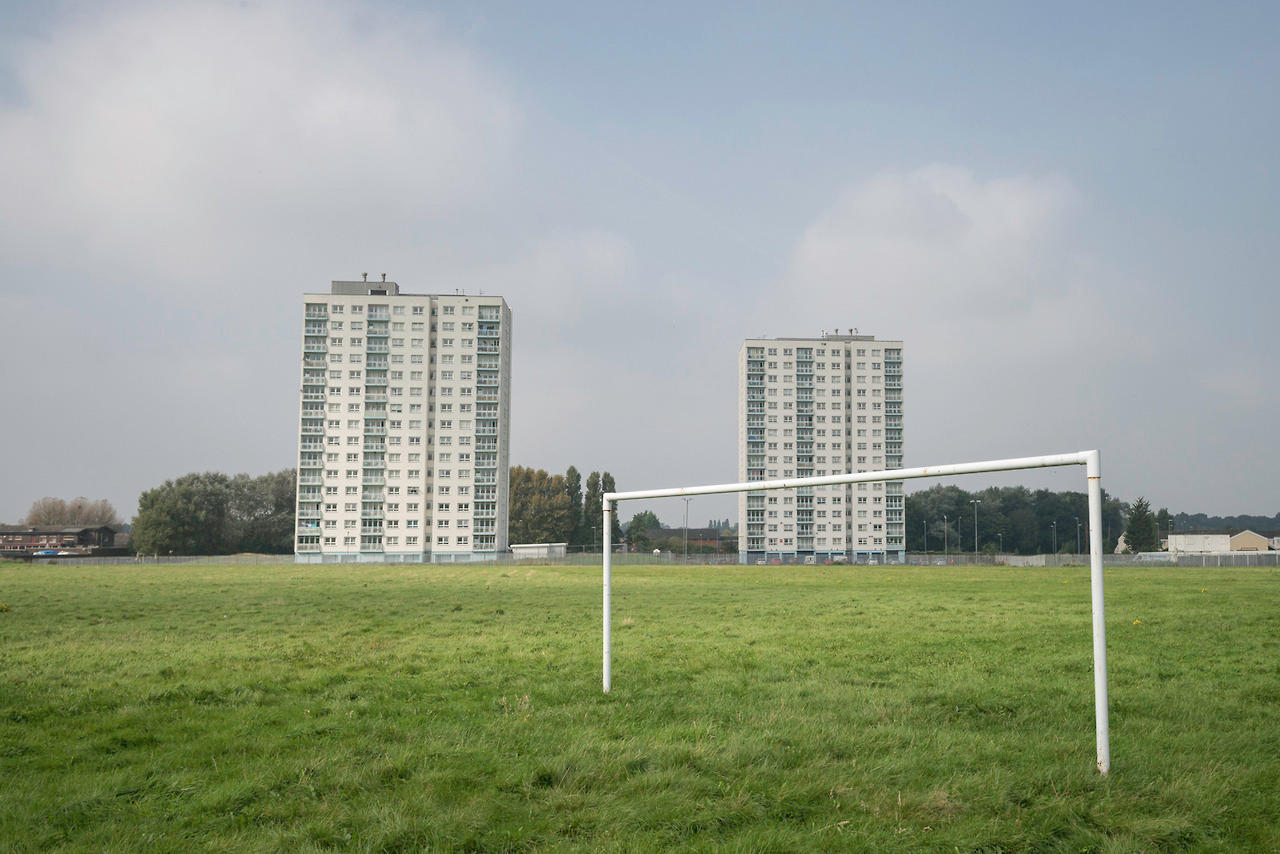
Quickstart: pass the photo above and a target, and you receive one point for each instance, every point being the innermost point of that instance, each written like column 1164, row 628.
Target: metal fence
column 1154, row 559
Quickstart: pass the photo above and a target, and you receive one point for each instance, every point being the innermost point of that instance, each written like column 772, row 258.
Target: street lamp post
column 944, row 535
column 686, row 529
column 1077, row 535
column 975, row 502
column 1054, row 527
column 924, row 534
column 1001, row 536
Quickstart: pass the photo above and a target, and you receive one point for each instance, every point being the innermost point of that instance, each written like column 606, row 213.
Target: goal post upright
column 1093, row 470
column 606, row 536
column 1091, row 460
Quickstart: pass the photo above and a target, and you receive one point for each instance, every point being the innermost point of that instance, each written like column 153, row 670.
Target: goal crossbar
column 1091, row 460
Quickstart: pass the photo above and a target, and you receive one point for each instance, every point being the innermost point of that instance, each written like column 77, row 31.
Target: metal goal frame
column 1091, row 460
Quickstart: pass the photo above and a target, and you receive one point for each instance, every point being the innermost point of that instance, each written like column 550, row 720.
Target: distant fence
column 1155, row 559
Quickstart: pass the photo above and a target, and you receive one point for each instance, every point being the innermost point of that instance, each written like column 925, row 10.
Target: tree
column 1163, row 520
column 211, row 513
column 261, row 512
column 573, row 487
column 75, row 513
column 1140, row 531
column 187, row 516
column 638, row 532
column 607, row 485
column 539, row 509
column 591, row 506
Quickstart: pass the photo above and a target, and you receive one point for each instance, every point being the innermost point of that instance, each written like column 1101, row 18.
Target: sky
column 1068, row 214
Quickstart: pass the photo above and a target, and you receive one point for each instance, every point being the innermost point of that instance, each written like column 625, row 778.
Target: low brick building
column 26, row 539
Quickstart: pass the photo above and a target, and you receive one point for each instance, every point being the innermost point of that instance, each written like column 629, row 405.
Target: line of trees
column 213, row 513
column 1010, row 517
column 553, row 508
column 78, row 512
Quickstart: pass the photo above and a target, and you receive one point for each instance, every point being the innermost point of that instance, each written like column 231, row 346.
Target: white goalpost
column 1091, row 460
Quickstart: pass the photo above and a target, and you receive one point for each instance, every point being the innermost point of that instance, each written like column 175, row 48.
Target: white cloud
column 936, row 245
column 178, row 139
column 1006, row 325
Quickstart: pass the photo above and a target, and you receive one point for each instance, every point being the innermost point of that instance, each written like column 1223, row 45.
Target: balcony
column 487, row 331
column 311, row 446
column 379, row 382
column 309, row 514
column 310, row 480
column 313, row 396
column 376, row 332
column 313, row 431
column 308, row 548
column 370, row 430
column 372, row 513
column 375, row 396
column 374, row 464
column 487, row 381
column 485, row 347
column 486, row 431
column 311, row 464
column 486, row 513
column 485, row 478
column 317, row 312
column 374, row 447
column 315, row 349
column 377, row 364
column 373, row 480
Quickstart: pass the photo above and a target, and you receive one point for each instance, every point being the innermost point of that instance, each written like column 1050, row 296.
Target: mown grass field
column 754, row 709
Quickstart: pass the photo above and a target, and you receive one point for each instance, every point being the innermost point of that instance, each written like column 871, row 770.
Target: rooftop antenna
column 364, row 276
column 384, row 277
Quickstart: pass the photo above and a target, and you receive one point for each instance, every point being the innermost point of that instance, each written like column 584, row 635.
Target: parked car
column 46, row 552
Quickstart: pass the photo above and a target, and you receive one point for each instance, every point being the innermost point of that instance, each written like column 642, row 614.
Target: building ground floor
column 822, row 557
column 395, row 557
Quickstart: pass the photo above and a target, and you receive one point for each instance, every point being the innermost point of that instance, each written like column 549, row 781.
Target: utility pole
column 975, row 502
column 686, row 529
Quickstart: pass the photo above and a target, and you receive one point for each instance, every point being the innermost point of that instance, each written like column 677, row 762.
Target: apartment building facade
column 404, row 418
column 809, row 407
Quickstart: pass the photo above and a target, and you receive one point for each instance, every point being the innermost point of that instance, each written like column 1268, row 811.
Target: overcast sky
column 1069, row 215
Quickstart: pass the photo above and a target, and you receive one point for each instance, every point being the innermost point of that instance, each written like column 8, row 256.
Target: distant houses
column 1218, row 542
column 28, row 540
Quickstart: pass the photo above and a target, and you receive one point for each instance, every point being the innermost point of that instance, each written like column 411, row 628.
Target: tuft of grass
column 393, row 708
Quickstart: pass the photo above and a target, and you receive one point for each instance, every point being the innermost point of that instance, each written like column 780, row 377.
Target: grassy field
column 754, row 709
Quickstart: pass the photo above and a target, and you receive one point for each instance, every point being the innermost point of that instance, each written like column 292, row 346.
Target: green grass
column 405, row 708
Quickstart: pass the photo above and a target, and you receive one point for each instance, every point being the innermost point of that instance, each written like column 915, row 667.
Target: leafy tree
column 573, row 487
column 539, row 509
column 591, row 507
column 261, row 512
column 188, row 515
column 607, row 485
column 1163, row 520
column 647, row 519
column 638, row 532
column 77, row 512
column 1140, row 530
column 211, row 513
